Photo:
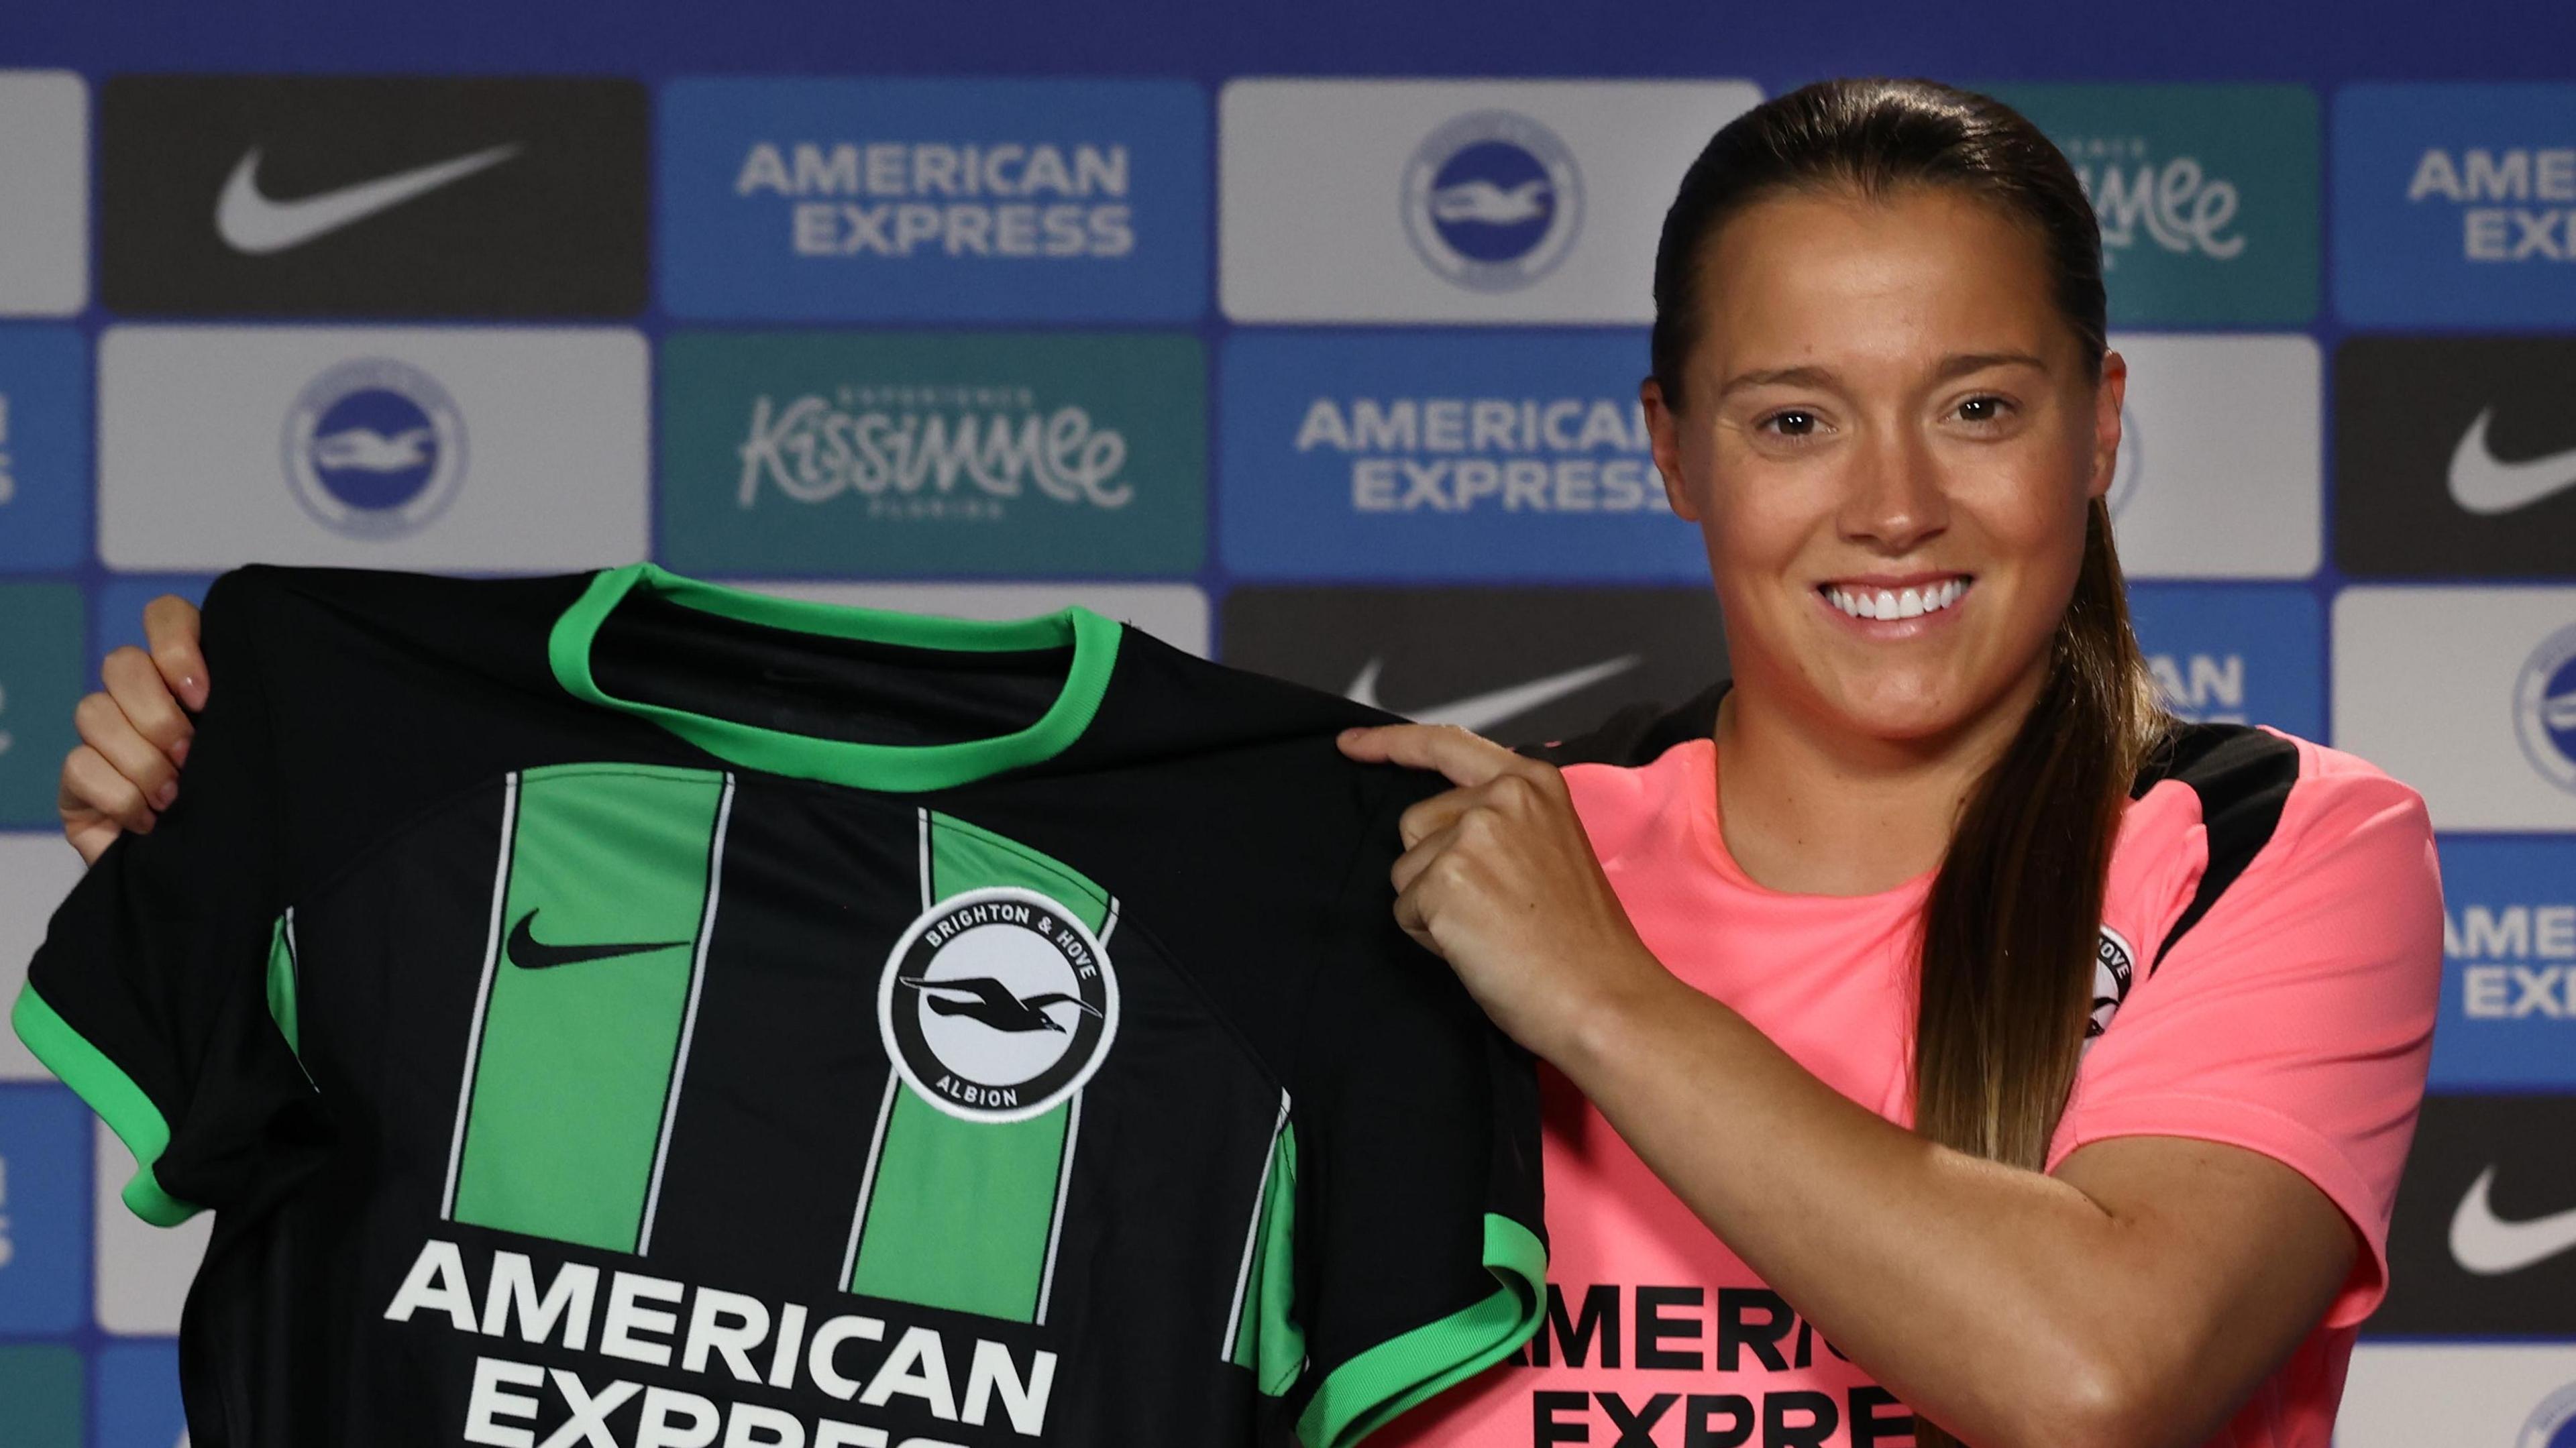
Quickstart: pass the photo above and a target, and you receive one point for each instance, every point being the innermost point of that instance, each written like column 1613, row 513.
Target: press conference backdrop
column 1307, row 339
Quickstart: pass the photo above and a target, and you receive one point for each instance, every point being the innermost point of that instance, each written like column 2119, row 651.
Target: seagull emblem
column 989, row 1001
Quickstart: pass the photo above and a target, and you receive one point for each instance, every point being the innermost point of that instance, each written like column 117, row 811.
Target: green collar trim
column 890, row 767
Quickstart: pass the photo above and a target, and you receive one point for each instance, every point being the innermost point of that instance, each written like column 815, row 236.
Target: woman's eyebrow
column 1957, row 364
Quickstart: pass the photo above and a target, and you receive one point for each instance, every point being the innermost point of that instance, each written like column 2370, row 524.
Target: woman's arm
column 2135, row 1297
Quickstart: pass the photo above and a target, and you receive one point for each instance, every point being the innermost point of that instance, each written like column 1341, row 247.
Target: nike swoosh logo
column 527, row 952
column 252, row 223
column 2485, row 1244
column 1479, row 711
column 2486, row 485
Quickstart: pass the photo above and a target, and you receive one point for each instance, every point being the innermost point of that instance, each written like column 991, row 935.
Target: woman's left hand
column 1499, row 879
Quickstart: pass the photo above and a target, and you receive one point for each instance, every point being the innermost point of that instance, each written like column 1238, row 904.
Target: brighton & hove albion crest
column 1492, row 201
column 997, row 1004
column 2544, row 708
column 2115, row 968
column 374, row 448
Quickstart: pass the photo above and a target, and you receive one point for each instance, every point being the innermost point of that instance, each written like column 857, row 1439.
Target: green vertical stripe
column 961, row 1213
column 281, row 981
column 575, row 1060
column 1267, row 1338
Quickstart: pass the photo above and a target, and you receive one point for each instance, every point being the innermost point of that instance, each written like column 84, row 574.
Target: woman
column 1950, row 1029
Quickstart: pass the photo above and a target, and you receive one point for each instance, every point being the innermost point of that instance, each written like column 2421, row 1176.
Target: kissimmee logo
column 2509, row 946
column 1049, row 200
column 905, row 454
column 2455, row 204
column 379, row 196
column 1503, row 456
column 909, row 452
column 2207, row 194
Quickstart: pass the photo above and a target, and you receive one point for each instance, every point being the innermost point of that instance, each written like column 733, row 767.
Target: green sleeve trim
column 112, row 1094
column 1360, row 1396
column 889, row 767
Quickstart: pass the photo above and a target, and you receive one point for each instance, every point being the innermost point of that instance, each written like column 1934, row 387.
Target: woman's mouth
column 1912, row 599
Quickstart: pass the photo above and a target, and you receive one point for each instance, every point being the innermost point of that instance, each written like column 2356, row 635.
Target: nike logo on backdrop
column 251, row 222
column 2490, row 1247
column 1479, row 711
column 527, row 952
column 2486, row 485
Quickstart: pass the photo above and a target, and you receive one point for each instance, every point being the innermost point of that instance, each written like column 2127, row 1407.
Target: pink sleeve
column 2296, row 1019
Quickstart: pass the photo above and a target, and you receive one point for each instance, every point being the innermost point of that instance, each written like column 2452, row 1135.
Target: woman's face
column 1889, row 443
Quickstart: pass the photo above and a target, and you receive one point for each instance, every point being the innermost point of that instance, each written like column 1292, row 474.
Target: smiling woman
column 2154, row 1000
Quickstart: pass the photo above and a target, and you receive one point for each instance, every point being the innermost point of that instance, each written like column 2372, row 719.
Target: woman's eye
column 1983, row 409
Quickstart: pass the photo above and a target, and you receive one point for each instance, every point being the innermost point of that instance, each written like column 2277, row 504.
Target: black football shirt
column 619, row 1011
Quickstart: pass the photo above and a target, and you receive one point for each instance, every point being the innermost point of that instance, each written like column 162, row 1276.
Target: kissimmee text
column 1458, row 454
column 729, row 1340
column 991, row 200
column 1706, row 1339
column 908, row 455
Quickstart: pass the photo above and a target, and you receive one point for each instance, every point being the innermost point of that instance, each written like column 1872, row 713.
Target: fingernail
column 168, row 791
column 192, row 686
column 179, row 752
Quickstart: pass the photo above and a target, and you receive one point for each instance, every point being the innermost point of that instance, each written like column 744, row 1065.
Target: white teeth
column 1888, row 604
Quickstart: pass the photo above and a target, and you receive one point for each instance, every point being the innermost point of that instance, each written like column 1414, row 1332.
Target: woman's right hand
column 134, row 736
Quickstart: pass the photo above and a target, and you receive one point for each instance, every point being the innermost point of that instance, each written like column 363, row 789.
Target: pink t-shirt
column 2292, row 1015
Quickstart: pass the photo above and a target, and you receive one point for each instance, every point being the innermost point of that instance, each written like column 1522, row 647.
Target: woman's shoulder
column 2230, row 812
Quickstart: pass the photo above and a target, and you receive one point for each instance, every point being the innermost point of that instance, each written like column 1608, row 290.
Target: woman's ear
column 1664, row 432
column 2108, row 397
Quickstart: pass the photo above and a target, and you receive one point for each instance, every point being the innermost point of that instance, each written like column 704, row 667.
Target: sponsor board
column 2455, row 205
column 44, row 444
column 2509, row 967
column 2455, row 456
column 143, row 1270
column 36, row 871
column 2240, row 654
column 44, row 193
column 2207, row 195
column 44, row 1215
column 2468, row 694
column 1176, row 613
column 934, row 200
column 42, row 674
column 433, row 448
column 1519, row 665
column 2409, row 1395
column 1454, row 201
column 138, row 1396
column 41, row 1384
column 2484, row 1237
column 378, row 196
column 2221, row 468
column 905, row 454
column 1509, row 455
